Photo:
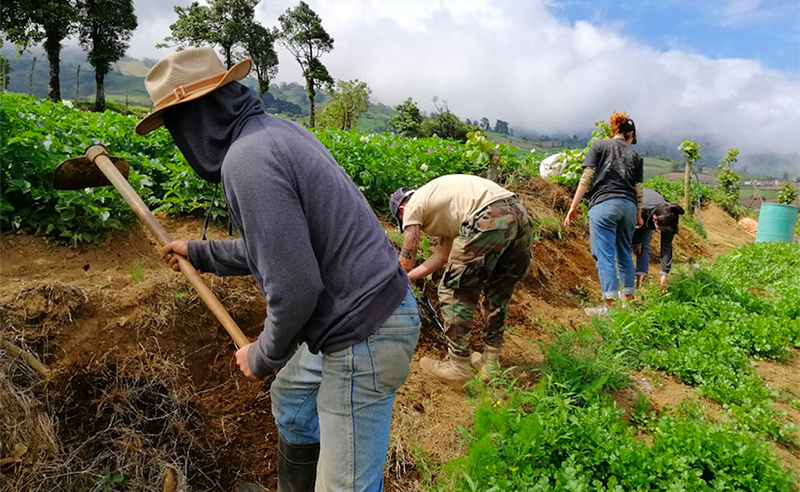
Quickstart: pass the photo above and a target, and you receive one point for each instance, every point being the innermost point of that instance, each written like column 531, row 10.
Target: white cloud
column 518, row 61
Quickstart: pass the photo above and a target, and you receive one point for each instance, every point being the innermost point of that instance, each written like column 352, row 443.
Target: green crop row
column 714, row 322
column 36, row 135
column 566, row 433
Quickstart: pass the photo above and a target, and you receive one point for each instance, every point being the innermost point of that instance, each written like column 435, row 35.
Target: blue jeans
column 344, row 401
column 611, row 227
column 644, row 237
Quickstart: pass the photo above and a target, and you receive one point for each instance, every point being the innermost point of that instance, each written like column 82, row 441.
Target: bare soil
column 86, row 310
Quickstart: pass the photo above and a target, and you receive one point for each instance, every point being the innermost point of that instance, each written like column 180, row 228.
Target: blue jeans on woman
column 343, row 401
column 611, row 227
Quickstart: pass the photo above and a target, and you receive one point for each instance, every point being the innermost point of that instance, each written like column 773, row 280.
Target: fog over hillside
column 519, row 61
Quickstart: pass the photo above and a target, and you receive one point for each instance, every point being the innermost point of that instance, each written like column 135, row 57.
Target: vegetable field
column 693, row 389
column 38, row 134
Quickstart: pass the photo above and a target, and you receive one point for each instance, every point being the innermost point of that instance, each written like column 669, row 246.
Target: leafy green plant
column 643, row 415
column 137, row 271
column 479, row 148
column 548, row 227
column 583, row 364
column 691, row 154
column 573, row 169
column 728, row 181
column 108, row 482
column 787, row 194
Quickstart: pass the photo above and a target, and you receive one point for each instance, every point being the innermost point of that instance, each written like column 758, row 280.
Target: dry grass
column 27, row 432
column 114, row 425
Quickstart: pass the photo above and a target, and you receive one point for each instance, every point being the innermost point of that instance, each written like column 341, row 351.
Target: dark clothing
column 325, row 265
column 618, row 167
column 204, row 131
column 644, row 235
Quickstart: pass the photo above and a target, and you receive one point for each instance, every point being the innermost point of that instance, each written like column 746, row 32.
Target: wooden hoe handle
column 99, row 155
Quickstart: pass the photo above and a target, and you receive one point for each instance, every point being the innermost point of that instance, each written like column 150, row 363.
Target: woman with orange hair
column 614, row 171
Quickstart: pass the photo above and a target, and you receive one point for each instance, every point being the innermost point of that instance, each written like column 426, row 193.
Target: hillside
column 126, row 82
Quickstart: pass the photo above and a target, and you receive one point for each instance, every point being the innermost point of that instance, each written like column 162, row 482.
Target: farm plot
column 143, row 393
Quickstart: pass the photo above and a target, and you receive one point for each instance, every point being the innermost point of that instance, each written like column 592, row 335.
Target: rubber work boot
column 297, row 466
column 488, row 362
column 250, row 487
column 455, row 371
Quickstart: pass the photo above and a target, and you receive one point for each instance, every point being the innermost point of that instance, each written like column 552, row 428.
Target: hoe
column 97, row 168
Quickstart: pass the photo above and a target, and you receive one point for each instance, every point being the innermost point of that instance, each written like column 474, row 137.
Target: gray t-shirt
column 618, row 167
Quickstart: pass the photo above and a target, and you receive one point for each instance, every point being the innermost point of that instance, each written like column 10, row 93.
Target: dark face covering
column 204, row 129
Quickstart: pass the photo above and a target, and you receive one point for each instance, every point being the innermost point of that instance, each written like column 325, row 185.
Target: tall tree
column 350, row 100
column 5, row 69
column 501, row 127
column 259, row 44
column 305, row 38
column 691, row 154
column 485, row 125
column 221, row 23
column 409, row 119
column 30, row 22
column 105, row 37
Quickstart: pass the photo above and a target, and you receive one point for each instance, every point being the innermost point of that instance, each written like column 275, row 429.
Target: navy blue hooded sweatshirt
column 323, row 262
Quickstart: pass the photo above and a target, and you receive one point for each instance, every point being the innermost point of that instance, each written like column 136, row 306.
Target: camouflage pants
column 491, row 254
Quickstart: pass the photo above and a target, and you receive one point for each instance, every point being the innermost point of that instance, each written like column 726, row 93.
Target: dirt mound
column 109, row 422
column 724, row 233
column 144, row 385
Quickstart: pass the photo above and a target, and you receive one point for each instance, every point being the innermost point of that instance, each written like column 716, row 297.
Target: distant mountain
column 126, row 76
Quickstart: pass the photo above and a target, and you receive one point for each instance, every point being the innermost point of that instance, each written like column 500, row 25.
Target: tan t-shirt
column 442, row 205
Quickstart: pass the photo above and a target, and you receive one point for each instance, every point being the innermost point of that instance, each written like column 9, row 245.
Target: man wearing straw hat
column 326, row 267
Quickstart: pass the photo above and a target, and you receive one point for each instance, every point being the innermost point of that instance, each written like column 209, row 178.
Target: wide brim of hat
column 156, row 118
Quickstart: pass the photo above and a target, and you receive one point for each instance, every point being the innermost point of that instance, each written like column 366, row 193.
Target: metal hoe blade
column 79, row 173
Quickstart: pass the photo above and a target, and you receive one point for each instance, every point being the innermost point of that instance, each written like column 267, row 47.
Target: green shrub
column 787, row 194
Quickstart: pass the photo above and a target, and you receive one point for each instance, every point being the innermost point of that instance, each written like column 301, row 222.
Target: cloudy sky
column 727, row 71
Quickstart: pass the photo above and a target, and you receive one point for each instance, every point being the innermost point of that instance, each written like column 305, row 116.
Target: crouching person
column 323, row 262
column 657, row 215
column 485, row 241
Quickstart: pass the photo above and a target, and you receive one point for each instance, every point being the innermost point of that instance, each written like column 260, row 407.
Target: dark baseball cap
column 397, row 199
column 629, row 126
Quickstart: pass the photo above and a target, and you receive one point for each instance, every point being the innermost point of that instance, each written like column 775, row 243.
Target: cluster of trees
column 230, row 26
column 274, row 105
column 500, row 126
column 103, row 27
column 411, row 122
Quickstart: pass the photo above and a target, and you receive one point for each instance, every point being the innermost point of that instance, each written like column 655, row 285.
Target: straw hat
column 184, row 76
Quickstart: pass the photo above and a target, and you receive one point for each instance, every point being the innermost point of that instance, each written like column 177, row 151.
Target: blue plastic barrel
column 776, row 223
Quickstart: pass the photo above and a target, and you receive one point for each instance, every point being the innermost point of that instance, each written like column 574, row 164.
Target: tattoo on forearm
column 411, row 243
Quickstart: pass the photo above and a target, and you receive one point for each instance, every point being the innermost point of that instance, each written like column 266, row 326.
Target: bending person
column 614, row 171
column 658, row 215
column 485, row 240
